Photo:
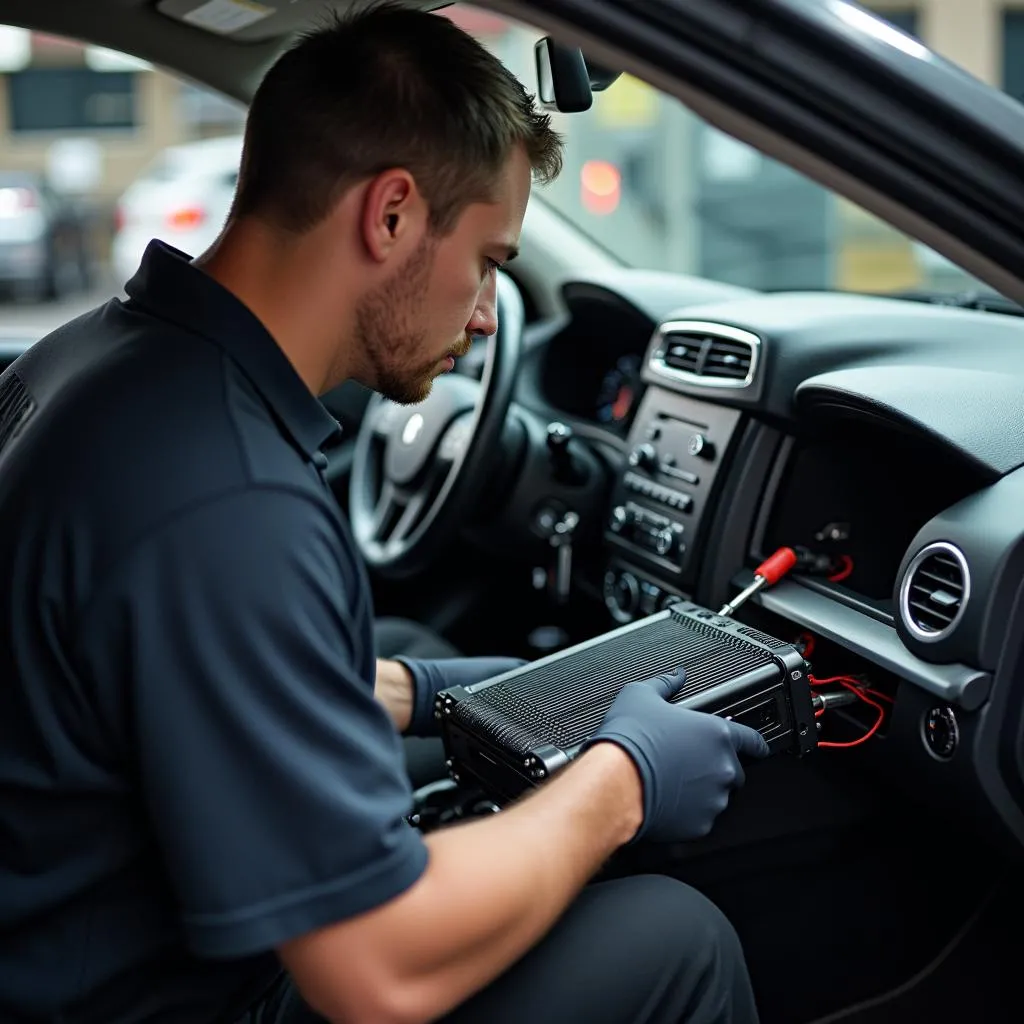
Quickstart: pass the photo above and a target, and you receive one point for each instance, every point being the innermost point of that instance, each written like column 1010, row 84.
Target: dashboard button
column 680, row 474
column 649, row 595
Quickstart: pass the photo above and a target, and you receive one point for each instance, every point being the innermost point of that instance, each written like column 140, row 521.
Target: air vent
column 935, row 590
column 684, row 352
column 727, row 359
column 707, row 354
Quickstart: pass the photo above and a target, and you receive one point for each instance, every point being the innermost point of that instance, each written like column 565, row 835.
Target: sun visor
column 255, row 21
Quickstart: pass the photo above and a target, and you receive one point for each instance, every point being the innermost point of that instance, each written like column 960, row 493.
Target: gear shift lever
column 567, row 469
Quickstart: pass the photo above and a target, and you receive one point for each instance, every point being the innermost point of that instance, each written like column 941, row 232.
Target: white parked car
column 182, row 197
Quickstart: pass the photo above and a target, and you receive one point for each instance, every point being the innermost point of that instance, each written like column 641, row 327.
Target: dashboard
column 882, row 439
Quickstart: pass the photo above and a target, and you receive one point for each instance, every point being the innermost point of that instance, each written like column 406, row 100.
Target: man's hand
column 688, row 761
column 431, row 675
column 407, row 686
column 393, row 687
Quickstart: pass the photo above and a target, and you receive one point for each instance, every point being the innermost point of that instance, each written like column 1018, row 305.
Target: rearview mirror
column 566, row 80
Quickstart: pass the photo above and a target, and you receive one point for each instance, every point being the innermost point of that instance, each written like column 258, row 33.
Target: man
column 200, row 760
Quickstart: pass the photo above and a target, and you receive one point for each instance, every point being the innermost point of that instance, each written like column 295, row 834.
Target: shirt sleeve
column 271, row 776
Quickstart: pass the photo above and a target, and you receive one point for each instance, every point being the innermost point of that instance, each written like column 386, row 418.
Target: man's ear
column 393, row 213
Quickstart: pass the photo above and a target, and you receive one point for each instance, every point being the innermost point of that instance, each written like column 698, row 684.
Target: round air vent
column 935, row 591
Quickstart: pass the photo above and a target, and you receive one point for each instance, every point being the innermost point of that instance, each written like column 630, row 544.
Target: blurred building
column 93, row 118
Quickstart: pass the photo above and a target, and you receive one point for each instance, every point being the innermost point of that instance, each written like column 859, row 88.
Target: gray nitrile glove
column 431, row 675
column 689, row 761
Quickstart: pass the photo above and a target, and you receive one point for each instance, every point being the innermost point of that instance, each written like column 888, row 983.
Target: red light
column 186, row 218
column 600, row 187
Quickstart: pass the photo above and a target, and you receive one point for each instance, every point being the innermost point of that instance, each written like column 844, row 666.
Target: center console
column 661, row 498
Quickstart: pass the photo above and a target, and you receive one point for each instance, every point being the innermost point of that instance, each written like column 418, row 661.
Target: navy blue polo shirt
column 193, row 767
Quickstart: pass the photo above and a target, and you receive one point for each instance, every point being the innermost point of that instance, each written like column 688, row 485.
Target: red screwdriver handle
column 775, row 566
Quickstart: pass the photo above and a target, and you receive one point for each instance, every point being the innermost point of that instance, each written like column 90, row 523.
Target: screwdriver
column 769, row 572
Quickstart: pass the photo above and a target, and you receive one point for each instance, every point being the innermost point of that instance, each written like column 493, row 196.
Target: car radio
column 677, row 447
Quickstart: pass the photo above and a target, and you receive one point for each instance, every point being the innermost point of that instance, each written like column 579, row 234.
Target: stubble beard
column 387, row 331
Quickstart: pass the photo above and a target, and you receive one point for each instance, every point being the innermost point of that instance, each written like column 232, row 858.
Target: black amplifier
column 517, row 729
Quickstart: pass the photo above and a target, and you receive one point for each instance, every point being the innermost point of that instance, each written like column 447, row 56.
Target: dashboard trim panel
column 957, row 684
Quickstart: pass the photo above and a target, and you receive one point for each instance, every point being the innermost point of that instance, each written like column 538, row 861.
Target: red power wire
column 878, row 694
column 846, row 568
column 808, row 643
column 850, row 684
column 815, row 681
column 871, row 732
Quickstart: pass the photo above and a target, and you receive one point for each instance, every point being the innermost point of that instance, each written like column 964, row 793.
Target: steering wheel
column 418, row 469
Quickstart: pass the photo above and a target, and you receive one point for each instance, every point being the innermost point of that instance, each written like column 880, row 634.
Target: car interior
column 634, row 438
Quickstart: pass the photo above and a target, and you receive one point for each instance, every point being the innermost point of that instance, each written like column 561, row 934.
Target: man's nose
column 484, row 321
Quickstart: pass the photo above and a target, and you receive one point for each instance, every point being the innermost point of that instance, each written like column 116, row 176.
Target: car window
column 148, row 155
column 664, row 190
column 126, row 152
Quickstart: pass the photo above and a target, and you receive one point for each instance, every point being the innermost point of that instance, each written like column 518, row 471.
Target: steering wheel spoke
column 386, row 512
column 455, row 441
column 411, row 516
column 398, row 511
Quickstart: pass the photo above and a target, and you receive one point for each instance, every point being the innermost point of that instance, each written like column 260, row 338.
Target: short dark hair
column 388, row 87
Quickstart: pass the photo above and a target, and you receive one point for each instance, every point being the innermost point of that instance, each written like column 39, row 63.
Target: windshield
column 663, row 190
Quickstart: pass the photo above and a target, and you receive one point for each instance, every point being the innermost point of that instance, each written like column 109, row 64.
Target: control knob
column 621, row 595
column 644, row 456
column 664, row 541
column 700, row 447
column 941, row 732
column 621, row 517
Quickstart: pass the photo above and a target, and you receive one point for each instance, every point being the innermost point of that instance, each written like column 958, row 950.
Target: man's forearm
column 393, row 687
column 492, row 889
column 504, row 881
